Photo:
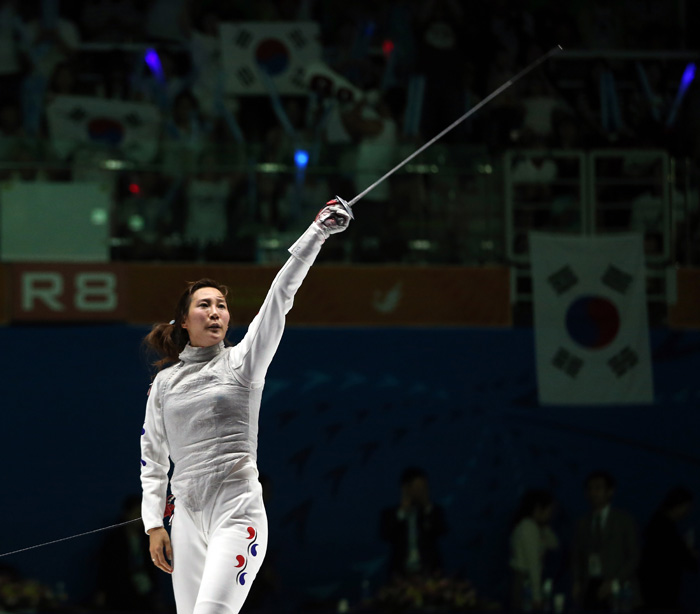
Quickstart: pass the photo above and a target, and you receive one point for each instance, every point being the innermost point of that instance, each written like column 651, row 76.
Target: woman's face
column 207, row 319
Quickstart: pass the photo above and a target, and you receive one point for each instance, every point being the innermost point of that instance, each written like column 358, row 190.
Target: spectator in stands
column 529, row 541
column 650, row 103
column 279, row 194
column 205, row 51
column 541, row 106
column 413, row 528
column 372, row 125
column 187, row 134
column 598, row 103
column 605, row 549
column 164, row 79
column 666, row 555
column 338, row 143
column 439, row 42
column 48, row 40
column 208, row 197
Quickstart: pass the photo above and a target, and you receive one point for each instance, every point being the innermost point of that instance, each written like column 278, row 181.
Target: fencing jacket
column 203, row 411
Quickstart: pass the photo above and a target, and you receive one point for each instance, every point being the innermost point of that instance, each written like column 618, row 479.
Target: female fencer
column 202, row 413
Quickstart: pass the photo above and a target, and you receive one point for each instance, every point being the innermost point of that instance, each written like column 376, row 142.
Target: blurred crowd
column 605, row 561
column 224, row 165
column 605, row 565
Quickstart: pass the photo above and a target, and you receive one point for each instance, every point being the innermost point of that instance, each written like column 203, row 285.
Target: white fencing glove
column 332, row 218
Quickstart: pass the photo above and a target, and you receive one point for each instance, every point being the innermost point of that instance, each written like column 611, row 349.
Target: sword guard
column 345, row 205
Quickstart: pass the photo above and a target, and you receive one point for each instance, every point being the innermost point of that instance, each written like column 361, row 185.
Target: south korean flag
column 281, row 50
column 591, row 328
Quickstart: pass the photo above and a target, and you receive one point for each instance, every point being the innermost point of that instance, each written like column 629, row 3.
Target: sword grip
column 346, row 206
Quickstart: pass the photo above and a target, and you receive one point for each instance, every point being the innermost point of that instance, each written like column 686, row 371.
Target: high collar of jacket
column 192, row 354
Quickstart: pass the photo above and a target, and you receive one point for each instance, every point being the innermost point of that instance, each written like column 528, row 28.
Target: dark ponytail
column 169, row 339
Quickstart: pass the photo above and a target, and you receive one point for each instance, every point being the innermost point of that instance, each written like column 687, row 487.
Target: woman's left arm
column 253, row 355
column 155, row 462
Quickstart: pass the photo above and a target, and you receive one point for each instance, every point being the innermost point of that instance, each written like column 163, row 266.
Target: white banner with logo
column 282, row 49
column 133, row 128
column 591, row 327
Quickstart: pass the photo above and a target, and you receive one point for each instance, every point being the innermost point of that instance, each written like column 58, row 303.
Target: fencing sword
column 64, row 539
column 348, row 205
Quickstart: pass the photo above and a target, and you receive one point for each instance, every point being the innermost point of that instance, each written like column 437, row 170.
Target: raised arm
column 253, row 355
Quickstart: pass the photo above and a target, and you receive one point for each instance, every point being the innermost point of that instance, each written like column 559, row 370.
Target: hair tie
column 172, row 322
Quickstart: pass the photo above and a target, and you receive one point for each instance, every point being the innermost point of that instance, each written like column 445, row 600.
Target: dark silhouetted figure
column 666, row 556
column 413, row 528
column 126, row 578
column 605, row 552
column 530, row 540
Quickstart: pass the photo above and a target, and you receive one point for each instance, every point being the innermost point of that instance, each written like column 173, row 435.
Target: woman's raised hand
column 332, row 218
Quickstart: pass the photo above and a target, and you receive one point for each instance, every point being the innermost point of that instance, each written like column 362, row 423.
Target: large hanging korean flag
column 591, row 329
column 282, row 49
column 133, row 128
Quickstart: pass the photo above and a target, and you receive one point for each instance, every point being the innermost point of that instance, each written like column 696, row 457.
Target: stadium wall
column 344, row 411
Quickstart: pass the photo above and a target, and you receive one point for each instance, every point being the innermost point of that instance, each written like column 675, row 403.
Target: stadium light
column 153, row 62
column 301, row 158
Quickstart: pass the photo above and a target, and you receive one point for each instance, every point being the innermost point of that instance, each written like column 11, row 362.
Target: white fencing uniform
column 203, row 414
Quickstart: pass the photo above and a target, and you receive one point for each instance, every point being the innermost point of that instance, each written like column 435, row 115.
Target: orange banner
column 329, row 296
column 340, row 296
column 47, row 292
column 404, row 296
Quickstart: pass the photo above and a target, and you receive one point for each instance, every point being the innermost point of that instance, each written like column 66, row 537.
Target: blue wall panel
column 344, row 411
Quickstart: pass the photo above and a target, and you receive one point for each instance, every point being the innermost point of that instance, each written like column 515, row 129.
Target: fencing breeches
column 217, row 552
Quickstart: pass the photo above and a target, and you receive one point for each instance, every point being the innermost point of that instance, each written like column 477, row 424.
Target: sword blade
column 349, row 204
column 64, row 539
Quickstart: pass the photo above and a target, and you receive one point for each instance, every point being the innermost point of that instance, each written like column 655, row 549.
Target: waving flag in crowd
column 131, row 127
column 281, row 49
